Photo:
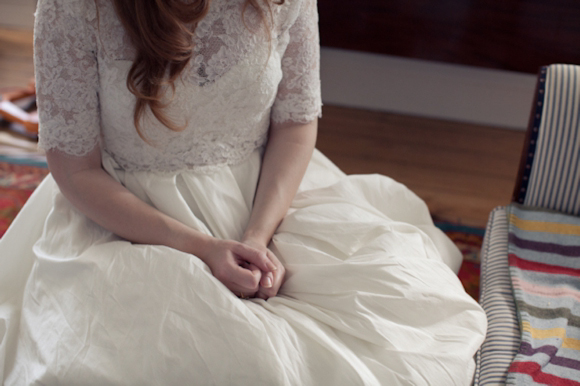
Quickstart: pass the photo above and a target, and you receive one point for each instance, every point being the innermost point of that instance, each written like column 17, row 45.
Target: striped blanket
column 544, row 264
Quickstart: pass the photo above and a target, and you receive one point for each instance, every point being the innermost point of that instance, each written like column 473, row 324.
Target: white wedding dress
column 371, row 297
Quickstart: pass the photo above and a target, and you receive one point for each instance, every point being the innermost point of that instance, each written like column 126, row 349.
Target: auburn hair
column 162, row 34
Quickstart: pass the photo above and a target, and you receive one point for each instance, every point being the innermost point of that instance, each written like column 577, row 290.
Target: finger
column 244, row 294
column 277, row 278
column 266, row 293
column 247, row 279
column 267, row 280
column 254, row 256
column 261, row 295
column 263, row 292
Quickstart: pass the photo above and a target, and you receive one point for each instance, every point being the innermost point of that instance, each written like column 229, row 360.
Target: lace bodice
column 240, row 79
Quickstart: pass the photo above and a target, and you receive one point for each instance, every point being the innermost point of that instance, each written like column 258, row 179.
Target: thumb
column 254, row 256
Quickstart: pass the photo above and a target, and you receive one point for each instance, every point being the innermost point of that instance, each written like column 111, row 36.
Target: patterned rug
column 17, row 182
column 469, row 241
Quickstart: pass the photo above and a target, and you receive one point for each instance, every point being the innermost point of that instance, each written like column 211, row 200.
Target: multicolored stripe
column 544, row 265
column 534, row 370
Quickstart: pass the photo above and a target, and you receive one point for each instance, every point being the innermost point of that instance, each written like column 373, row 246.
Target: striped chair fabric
column 544, row 264
column 550, row 174
column 549, row 178
column 503, row 333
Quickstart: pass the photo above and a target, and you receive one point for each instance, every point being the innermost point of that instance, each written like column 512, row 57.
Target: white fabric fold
column 369, row 299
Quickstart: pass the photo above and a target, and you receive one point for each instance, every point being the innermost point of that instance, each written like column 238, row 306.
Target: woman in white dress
column 190, row 233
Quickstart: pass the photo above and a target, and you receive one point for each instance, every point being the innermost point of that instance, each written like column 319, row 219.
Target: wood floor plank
column 462, row 171
column 16, row 53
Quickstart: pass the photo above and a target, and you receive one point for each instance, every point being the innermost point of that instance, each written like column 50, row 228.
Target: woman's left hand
column 270, row 282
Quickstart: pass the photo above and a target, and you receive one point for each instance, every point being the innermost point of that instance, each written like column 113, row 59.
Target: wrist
column 201, row 246
column 256, row 237
column 193, row 242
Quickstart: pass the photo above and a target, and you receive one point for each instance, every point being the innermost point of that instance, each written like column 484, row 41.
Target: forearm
column 96, row 194
column 101, row 198
column 285, row 161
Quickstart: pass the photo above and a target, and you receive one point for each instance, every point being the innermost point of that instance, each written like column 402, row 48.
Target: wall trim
column 436, row 90
column 17, row 14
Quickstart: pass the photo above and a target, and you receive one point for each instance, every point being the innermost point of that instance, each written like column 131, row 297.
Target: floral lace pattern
column 241, row 78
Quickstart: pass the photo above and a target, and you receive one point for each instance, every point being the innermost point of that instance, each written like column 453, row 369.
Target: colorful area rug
column 469, row 241
column 17, row 182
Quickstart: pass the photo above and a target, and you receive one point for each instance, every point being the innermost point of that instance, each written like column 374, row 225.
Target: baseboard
column 436, row 90
column 17, row 14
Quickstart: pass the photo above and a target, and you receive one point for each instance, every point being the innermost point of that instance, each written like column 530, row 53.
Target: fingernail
column 272, row 266
column 268, row 283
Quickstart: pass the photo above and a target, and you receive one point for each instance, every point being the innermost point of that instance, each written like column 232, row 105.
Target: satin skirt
column 371, row 295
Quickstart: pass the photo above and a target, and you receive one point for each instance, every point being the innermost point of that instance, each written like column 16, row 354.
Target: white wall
column 17, row 13
column 398, row 85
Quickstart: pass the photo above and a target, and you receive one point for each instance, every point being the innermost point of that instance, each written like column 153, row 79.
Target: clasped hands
column 248, row 268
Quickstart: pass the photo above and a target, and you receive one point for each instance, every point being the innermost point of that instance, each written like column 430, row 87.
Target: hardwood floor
column 16, row 66
column 462, row 171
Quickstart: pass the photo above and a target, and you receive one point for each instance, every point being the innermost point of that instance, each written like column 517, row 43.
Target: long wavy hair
column 162, row 34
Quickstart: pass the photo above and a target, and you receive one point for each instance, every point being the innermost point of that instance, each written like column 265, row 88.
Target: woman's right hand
column 238, row 266
column 270, row 282
column 104, row 200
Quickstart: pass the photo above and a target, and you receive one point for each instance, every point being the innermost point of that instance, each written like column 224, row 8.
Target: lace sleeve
column 65, row 52
column 298, row 98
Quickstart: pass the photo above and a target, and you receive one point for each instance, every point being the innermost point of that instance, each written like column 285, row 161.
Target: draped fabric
column 370, row 297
